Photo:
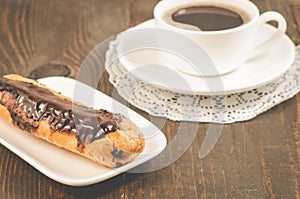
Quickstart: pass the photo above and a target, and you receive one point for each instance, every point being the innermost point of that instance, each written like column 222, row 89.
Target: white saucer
column 69, row 168
column 252, row 74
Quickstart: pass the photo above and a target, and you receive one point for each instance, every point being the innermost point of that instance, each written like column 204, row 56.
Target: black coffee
column 208, row 18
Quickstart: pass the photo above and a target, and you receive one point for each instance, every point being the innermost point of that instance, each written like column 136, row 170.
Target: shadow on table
column 112, row 188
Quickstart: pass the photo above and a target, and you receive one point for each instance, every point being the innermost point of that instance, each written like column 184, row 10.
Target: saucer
column 252, row 74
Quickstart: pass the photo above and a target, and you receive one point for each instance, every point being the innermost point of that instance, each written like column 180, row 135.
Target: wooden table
column 259, row 158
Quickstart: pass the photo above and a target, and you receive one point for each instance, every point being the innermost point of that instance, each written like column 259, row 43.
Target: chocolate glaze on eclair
column 28, row 104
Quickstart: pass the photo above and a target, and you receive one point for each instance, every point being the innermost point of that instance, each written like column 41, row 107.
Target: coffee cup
column 226, row 30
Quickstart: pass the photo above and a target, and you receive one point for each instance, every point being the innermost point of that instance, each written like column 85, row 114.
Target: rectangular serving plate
column 69, row 168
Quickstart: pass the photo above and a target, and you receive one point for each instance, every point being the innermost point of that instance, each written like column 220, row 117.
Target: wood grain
column 259, row 158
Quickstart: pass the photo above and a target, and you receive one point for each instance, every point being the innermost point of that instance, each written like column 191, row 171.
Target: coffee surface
column 208, row 18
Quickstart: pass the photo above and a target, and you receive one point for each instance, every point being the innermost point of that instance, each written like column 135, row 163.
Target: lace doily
column 221, row 109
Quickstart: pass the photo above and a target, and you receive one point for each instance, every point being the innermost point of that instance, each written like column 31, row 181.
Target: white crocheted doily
column 186, row 107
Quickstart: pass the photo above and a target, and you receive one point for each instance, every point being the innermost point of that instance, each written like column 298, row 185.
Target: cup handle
column 281, row 29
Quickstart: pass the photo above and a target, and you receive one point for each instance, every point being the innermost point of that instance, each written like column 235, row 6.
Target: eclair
column 107, row 138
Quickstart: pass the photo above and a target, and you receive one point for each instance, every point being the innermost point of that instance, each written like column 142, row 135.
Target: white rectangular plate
column 64, row 166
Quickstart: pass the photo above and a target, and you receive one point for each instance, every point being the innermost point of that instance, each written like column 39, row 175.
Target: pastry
column 108, row 138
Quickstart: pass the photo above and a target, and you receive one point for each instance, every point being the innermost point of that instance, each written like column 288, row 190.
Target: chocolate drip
column 28, row 104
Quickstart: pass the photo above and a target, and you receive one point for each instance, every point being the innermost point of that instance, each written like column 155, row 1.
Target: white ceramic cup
column 228, row 48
